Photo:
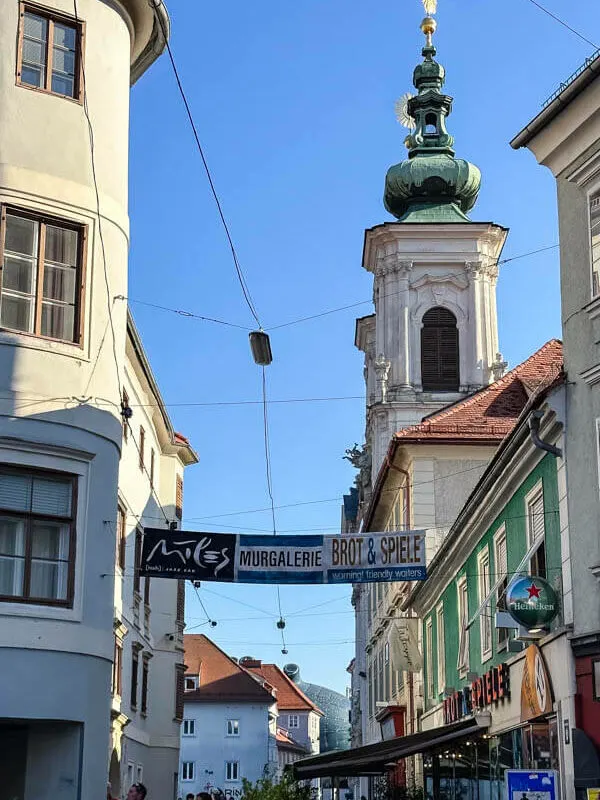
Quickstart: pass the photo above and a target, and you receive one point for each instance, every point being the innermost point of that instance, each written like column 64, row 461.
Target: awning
column 376, row 759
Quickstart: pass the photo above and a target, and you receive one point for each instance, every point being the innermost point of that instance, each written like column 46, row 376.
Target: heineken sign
column 532, row 602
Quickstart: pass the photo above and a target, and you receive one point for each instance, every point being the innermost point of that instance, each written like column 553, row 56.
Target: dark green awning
column 375, row 759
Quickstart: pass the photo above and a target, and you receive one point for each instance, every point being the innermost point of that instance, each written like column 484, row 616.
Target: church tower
column 433, row 338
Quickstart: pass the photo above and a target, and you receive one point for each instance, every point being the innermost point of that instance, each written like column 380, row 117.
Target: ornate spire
column 432, row 185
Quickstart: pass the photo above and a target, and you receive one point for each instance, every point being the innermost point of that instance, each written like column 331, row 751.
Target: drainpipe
column 534, row 428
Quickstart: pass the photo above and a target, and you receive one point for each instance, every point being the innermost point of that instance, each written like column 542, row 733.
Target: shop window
column 37, row 537
column 429, row 656
column 441, row 650
column 463, row 631
column 536, row 529
column 485, row 616
column 595, row 241
column 42, row 276
column 50, row 52
column 439, row 351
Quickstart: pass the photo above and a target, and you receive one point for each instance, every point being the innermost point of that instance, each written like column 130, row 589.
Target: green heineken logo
column 532, row 601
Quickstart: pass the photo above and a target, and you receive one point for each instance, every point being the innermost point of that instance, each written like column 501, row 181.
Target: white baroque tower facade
column 418, row 268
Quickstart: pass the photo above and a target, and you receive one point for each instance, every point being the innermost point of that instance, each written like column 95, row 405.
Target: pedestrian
column 203, row 796
column 137, row 792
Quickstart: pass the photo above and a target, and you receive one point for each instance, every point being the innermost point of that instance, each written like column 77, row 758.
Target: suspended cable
column 210, row 621
column 156, row 4
column 182, row 313
column 563, row 23
column 280, row 621
column 90, row 127
column 394, row 294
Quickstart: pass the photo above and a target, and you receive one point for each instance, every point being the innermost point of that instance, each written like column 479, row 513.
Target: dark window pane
column 21, row 235
column 59, row 283
column 33, row 76
column 58, row 321
column 34, row 53
column 35, row 26
column 63, row 61
column 16, row 313
column 65, row 35
column 61, row 245
column 18, row 274
column 63, row 85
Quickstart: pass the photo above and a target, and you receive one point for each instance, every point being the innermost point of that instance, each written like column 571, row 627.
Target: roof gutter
column 569, row 93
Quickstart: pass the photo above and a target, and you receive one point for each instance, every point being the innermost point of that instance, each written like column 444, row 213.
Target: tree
column 267, row 788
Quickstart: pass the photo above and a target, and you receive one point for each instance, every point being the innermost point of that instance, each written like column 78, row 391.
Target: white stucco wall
column 210, row 748
column 58, row 660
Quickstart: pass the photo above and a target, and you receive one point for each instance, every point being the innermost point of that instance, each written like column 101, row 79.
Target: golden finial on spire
column 428, row 26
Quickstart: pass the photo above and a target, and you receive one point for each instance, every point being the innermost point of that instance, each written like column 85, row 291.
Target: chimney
column 250, row 661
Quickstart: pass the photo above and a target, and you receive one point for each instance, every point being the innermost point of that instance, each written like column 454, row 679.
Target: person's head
column 137, row 792
column 203, row 796
column 189, row 796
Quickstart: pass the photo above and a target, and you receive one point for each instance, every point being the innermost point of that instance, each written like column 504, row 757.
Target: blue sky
column 295, row 107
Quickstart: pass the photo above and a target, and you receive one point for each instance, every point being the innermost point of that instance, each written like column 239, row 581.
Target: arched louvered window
column 439, row 351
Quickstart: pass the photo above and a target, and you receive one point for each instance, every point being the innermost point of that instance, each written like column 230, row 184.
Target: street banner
column 241, row 558
column 403, row 639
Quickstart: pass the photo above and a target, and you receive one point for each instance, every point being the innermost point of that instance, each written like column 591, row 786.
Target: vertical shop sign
column 536, row 689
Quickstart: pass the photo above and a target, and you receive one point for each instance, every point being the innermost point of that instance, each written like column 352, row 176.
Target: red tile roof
column 491, row 413
column 286, row 742
column 221, row 679
column 289, row 696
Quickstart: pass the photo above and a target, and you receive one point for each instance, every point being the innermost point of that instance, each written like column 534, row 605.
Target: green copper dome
column 431, row 185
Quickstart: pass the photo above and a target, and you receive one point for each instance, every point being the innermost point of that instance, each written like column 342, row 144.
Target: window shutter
column 179, row 497
column 439, row 351
column 536, row 518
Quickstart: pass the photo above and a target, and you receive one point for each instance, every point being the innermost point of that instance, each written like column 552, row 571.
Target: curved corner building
column 65, row 71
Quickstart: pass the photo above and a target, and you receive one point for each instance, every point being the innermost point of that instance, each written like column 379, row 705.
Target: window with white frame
column 232, row 770
column 190, row 683
column 188, row 770
column 189, row 727
column 595, row 241
column 501, row 574
column 130, row 774
column 485, row 617
column 463, row 631
column 293, row 721
column 233, row 727
column 441, row 649
column 139, row 773
column 429, row 656
column 536, row 529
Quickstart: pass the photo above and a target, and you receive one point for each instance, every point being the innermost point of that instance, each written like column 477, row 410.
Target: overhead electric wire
column 90, row 127
column 183, row 313
column 393, row 294
column 327, row 312
column 209, row 619
column 156, row 4
column 145, row 469
column 563, row 23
